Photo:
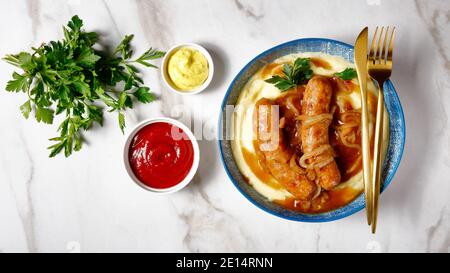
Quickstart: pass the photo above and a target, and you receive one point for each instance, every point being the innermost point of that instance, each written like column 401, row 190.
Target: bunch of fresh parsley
column 300, row 72
column 70, row 77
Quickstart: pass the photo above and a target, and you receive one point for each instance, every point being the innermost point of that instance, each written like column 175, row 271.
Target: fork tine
column 385, row 47
column 378, row 56
column 372, row 47
column 391, row 45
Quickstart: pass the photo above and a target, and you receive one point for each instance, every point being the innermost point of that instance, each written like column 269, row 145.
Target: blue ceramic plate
column 331, row 47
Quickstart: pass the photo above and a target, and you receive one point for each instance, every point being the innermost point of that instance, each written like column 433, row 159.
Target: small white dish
column 166, row 78
column 188, row 177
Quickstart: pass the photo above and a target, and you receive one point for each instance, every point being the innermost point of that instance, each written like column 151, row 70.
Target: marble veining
column 206, row 220
column 87, row 203
column 33, row 13
column 439, row 230
column 248, row 11
column 28, row 216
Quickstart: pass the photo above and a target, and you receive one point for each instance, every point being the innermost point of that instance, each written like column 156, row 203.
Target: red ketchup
column 161, row 155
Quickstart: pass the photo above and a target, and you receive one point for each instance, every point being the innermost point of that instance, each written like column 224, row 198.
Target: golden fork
column 379, row 66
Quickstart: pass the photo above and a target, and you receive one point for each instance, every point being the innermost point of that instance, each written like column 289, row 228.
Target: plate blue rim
column 316, row 217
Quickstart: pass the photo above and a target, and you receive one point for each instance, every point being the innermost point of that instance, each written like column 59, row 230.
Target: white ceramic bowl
column 188, row 177
column 168, row 81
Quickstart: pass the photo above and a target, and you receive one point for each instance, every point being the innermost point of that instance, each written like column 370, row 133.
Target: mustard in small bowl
column 187, row 69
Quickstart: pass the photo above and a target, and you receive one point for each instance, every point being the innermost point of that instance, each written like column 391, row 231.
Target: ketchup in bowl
column 161, row 155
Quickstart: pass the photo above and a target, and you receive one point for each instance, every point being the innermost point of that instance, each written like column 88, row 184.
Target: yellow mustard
column 187, row 69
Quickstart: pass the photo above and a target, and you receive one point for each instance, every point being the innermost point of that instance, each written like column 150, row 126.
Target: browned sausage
column 275, row 155
column 314, row 135
column 290, row 103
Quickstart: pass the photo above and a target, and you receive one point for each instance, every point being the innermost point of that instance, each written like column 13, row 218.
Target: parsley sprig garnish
column 70, row 77
column 293, row 74
column 347, row 74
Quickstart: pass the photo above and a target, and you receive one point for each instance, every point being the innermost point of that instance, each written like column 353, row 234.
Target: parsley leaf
column 71, row 77
column 121, row 121
column 19, row 83
column 44, row 114
column 293, row 74
column 150, row 54
column 87, row 58
column 124, row 47
column 56, row 148
column 347, row 74
column 26, row 61
column 144, row 95
column 26, row 109
column 75, row 23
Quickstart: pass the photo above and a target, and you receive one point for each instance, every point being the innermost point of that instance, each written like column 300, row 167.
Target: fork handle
column 378, row 159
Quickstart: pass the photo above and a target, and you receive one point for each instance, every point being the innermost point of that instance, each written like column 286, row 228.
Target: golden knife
column 361, row 67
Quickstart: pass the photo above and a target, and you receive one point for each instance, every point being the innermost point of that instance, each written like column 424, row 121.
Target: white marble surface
column 87, row 203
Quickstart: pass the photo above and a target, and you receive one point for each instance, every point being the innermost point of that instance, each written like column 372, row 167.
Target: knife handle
column 367, row 176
